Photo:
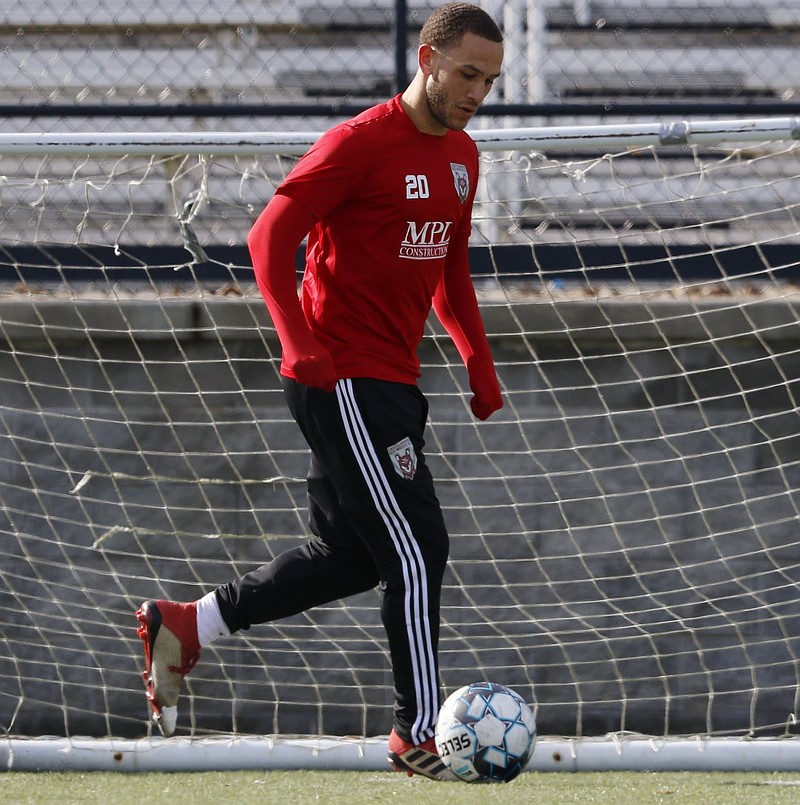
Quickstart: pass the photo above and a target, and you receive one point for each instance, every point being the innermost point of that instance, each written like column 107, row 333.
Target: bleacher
column 229, row 52
column 240, row 51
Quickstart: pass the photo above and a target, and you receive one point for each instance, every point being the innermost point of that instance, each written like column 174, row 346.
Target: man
column 386, row 200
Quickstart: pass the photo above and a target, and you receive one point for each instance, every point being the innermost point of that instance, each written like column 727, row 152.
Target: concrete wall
column 624, row 532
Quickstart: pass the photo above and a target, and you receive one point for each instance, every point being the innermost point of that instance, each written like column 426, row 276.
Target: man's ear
column 425, row 56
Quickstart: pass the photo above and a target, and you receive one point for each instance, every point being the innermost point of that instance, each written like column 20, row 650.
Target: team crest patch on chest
column 460, row 180
column 404, row 459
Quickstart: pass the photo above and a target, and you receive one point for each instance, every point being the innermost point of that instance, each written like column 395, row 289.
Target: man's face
column 458, row 80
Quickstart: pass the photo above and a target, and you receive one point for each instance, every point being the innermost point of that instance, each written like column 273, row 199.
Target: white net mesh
column 624, row 531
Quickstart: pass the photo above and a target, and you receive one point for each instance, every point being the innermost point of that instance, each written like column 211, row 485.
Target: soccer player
column 385, row 200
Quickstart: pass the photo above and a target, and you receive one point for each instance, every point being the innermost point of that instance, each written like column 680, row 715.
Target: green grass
column 366, row 788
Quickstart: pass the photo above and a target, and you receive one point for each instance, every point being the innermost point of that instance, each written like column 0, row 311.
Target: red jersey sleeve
column 272, row 242
column 327, row 174
column 457, row 308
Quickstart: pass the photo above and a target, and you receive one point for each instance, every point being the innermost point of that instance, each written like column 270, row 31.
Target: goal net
column 625, row 543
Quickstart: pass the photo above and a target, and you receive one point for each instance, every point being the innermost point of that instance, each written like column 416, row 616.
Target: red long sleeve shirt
column 391, row 204
column 389, row 213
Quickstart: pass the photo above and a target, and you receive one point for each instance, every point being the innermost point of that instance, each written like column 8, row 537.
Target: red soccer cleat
column 171, row 650
column 420, row 759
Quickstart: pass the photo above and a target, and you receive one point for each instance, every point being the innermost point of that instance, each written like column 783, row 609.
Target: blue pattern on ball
column 485, row 733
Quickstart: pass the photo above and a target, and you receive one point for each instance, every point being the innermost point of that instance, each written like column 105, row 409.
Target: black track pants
column 377, row 521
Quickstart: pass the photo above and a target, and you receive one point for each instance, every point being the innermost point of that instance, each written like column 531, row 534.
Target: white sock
column 210, row 625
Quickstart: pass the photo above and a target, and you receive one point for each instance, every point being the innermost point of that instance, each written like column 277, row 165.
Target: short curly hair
column 447, row 25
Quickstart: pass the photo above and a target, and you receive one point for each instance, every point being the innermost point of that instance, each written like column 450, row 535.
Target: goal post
column 549, row 138
column 624, row 532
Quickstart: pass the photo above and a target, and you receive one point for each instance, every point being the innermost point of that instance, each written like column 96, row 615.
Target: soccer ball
column 485, row 733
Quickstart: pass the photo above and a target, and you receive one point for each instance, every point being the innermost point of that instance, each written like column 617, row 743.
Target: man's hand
column 486, row 402
column 314, row 369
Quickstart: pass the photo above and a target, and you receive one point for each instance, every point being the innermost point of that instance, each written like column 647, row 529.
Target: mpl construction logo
column 427, row 241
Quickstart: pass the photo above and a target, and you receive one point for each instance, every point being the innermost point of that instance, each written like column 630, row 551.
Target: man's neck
column 415, row 106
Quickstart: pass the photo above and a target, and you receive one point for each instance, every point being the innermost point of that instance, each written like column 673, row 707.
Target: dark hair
column 448, row 24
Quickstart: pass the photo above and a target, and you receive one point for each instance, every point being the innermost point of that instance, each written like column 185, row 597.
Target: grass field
column 368, row 788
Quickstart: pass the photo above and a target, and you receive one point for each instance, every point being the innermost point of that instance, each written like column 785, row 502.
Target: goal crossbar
column 545, row 138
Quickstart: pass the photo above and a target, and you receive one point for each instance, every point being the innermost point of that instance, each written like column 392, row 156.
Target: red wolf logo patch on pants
column 404, row 459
